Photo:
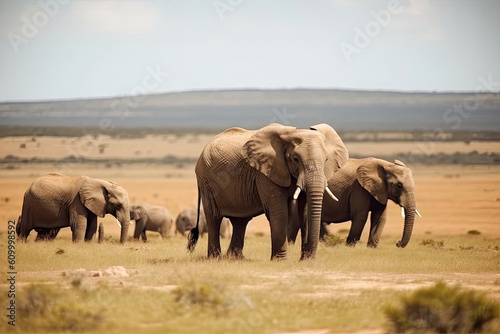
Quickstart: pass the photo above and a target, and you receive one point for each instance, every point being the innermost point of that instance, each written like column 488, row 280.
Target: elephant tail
column 195, row 232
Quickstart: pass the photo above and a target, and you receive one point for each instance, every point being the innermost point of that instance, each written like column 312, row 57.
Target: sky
column 63, row 49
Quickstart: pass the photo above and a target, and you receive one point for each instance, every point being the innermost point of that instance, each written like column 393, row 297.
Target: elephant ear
column 399, row 163
column 139, row 212
column 93, row 195
column 336, row 150
column 371, row 176
column 265, row 151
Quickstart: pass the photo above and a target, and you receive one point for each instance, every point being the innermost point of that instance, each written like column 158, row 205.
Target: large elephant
column 244, row 173
column 54, row 201
column 365, row 185
column 186, row 221
column 150, row 218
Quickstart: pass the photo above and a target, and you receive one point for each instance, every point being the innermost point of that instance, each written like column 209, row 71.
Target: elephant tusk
column 403, row 212
column 329, row 192
column 296, row 193
column 118, row 222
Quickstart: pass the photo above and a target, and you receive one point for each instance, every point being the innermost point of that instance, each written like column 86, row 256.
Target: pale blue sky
column 61, row 49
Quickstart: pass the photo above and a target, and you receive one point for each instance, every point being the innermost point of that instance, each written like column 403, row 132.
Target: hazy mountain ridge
column 344, row 109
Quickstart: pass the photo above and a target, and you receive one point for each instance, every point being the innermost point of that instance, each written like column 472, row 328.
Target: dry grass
column 343, row 290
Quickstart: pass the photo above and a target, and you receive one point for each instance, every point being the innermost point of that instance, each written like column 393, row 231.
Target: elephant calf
column 150, row 218
column 186, row 221
column 362, row 186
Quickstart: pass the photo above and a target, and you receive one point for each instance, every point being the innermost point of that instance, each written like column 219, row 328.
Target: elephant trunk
column 123, row 217
column 409, row 208
column 315, row 183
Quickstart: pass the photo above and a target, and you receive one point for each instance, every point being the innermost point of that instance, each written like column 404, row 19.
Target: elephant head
column 300, row 159
column 102, row 197
column 139, row 214
column 394, row 181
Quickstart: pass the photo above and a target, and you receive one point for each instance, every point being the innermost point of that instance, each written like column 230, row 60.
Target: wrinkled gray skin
column 363, row 186
column 54, row 201
column 244, row 173
column 186, row 221
column 150, row 218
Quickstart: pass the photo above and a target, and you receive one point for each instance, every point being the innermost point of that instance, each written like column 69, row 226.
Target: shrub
column 474, row 232
column 333, row 240
column 198, row 293
column 210, row 298
column 43, row 308
column 443, row 309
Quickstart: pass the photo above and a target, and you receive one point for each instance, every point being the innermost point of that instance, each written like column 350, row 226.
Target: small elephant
column 150, row 218
column 365, row 185
column 186, row 221
column 54, row 201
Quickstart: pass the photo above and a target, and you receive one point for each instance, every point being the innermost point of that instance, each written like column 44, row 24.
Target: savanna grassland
column 158, row 287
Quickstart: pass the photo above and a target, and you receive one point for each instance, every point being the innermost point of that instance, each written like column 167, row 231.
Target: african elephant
column 186, row 221
column 244, row 173
column 54, row 201
column 362, row 186
column 150, row 218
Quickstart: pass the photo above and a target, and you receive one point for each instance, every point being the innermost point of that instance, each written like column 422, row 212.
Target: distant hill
column 215, row 110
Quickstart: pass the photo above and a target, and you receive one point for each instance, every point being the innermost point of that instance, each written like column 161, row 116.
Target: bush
column 443, row 309
column 199, row 293
column 333, row 240
column 43, row 308
column 474, row 232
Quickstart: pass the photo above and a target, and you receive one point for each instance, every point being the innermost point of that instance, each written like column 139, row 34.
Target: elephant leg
column 140, row 228
column 238, row 238
column 322, row 231
column 91, row 226
column 213, row 224
column 357, row 225
column 143, row 236
column 377, row 223
column 296, row 218
column 277, row 214
column 78, row 220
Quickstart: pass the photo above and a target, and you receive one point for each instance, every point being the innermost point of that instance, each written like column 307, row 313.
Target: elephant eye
column 400, row 185
column 295, row 159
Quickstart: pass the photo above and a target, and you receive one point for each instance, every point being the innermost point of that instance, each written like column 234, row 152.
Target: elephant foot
column 371, row 245
column 235, row 254
column 307, row 256
column 279, row 256
column 214, row 254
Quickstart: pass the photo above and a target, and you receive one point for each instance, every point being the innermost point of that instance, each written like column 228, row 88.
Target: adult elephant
column 186, row 221
column 54, row 201
column 365, row 185
column 150, row 218
column 244, row 173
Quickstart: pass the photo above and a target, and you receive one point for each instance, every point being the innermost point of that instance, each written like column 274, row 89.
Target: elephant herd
column 298, row 178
